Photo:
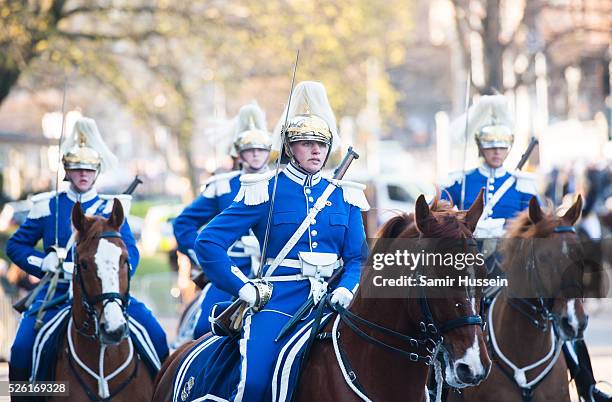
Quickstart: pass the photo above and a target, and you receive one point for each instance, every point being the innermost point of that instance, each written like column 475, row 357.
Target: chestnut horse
column 388, row 344
column 451, row 318
column 539, row 310
column 97, row 356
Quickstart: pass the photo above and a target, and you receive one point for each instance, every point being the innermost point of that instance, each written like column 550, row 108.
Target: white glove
column 50, row 262
column 248, row 293
column 342, row 296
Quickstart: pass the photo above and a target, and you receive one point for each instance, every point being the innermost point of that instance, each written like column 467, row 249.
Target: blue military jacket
column 219, row 192
column 514, row 200
column 40, row 224
column 338, row 228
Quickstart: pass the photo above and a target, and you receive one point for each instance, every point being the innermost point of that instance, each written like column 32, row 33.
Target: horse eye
column 83, row 265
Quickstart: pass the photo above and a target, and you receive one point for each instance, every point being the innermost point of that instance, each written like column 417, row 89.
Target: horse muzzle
column 114, row 337
column 572, row 328
column 467, row 371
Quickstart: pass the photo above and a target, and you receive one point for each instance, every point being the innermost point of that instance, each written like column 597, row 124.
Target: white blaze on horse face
column 564, row 248
column 571, row 315
column 107, row 259
column 472, row 358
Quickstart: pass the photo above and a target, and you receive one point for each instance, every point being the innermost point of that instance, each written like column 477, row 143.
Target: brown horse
column 386, row 375
column 401, row 335
column 97, row 339
column 539, row 309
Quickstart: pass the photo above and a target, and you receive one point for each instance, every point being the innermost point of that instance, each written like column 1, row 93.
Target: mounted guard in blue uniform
column 85, row 156
column 506, row 194
column 252, row 144
column 308, row 227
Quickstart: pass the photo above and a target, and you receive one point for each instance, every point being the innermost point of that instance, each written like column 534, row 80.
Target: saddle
column 212, row 367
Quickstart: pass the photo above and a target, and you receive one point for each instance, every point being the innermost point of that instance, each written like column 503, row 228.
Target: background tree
column 515, row 32
column 150, row 49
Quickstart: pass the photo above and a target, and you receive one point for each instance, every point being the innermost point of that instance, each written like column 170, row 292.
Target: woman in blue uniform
column 334, row 237
column 252, row 147
column 506, row 195
column 85, row 155
column 506, row 192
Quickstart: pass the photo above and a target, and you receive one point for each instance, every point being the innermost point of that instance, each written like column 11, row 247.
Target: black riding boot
column 579, row 365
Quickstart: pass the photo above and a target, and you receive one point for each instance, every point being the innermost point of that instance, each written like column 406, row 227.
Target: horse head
column 454, row 309
column 101, row 283
column 544, row 261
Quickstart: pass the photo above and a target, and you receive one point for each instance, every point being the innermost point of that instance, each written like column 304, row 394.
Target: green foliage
column 140, row 208
column 153, row 264
column 151, row 48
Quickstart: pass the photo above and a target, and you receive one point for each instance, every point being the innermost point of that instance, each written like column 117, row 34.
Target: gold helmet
column 251, row 130
column 80, row 156
column 491, row 122
column 310, row 119
column 308, row 127
column 495, row 135
column 85, row 149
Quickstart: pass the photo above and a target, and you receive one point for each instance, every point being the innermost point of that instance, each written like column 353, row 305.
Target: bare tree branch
column 128, row 10
column 138, row 36
column 462, row 34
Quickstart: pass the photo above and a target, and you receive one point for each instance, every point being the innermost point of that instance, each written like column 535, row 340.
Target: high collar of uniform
column 75, row 196
column 301, row 177
column 488, row 171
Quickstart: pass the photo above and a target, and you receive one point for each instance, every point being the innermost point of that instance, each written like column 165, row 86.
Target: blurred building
column 569, row 80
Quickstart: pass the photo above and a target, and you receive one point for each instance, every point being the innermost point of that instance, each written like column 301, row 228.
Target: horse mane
column 522, row 226
column 95, row 225
column 448, row 223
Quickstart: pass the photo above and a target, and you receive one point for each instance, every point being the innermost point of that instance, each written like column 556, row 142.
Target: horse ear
column 78, row 217
column 422, row 214
column 116, row 216
column 535, row 212
column 473, row 214
column 574, row 212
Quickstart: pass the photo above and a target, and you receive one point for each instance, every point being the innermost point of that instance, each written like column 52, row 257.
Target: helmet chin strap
column 300, row 168
column 295, row 162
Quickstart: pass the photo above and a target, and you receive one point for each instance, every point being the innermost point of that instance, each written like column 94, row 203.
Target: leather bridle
column 539, row 312
column 89, row 302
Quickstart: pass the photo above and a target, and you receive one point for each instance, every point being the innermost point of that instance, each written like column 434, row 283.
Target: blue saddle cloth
column 46, row 346
column 211, row 370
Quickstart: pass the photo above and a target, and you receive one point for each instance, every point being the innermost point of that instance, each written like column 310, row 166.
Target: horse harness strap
column 429, row 344
column 544, row 304
column 352, row 376
column 343, row 362
column 92, row 395
column 527, row 388
column 314, row 335
column 565, row 229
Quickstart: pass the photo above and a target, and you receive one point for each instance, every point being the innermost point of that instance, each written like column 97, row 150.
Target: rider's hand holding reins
column 341, row 296
column 248, row 294
column 256, row 293
column 50, row 263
